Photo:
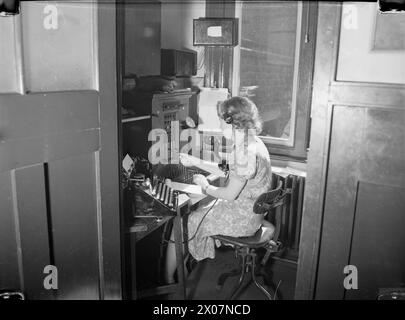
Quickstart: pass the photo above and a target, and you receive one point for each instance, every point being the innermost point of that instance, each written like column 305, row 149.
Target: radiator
column 292, row 213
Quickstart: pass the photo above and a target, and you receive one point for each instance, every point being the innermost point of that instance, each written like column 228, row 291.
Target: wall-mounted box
column 178, row 62
column 9, row 8
column 215, row 32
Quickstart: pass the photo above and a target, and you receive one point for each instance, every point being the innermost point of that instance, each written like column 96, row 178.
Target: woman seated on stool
column 249, row 177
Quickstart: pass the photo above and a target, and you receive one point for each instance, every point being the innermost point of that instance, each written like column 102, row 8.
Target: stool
column 246, row 247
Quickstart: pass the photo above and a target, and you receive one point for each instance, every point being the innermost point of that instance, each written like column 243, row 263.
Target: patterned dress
column 233, row 218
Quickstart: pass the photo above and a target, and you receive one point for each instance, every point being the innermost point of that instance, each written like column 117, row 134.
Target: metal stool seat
column 258, row 240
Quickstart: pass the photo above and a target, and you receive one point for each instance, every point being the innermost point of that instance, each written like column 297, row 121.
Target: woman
column 249, row 176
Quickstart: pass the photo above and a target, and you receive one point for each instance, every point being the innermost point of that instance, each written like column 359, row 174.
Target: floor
column 201, row 283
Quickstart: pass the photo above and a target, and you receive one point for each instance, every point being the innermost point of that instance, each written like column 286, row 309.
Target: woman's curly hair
column 243, row 111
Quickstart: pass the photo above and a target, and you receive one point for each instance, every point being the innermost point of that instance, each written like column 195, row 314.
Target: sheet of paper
column 196, row 198
column 189, row 158
column 188, row 188
column 214, row 31
column 127, row 163
column 207, row 108
column 196, row 162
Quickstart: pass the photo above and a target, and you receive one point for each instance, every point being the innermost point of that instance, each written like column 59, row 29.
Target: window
column 273, row 67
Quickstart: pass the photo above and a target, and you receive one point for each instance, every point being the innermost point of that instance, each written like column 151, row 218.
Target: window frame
column 297, row 144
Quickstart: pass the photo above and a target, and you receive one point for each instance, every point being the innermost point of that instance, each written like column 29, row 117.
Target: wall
column 142, row 38
column 177, row 27
column 150, row 26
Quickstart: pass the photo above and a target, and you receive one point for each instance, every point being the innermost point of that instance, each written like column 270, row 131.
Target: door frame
column 120, row 72
column 325, row 64
column 110, row 218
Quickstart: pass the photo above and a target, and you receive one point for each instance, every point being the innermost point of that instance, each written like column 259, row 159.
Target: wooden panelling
column 339, row 210
column 369, row 147
column 351, row 93
column 61, row 55
column 59, row 176
column 9, row 268
column 32, row 216
column 359, row 59
column 378, row 244
column 109, row 165
column 357, row 134
column 47, row 114
column 74, row 221
column 44, row 128
column 10, row 64
column 24, row 152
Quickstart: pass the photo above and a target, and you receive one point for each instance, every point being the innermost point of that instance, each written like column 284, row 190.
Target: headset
column 224, row 166
column 228, row 118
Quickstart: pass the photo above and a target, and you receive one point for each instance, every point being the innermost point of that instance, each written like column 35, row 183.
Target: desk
column 166, row 214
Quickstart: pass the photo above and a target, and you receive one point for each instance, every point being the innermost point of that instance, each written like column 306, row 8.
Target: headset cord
column 198, row 227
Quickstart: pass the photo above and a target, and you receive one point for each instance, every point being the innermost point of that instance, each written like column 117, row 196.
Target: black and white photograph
column 218, row 152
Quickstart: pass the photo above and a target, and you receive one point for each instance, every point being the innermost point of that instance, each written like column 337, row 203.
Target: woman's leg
column 171, row 262
column 171, row 259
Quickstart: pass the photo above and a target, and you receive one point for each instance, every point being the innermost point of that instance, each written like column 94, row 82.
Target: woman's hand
column 201, row 180
column 187, row 160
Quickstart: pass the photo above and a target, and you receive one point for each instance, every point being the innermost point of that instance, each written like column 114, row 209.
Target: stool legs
column 270, row 284
column 248, row 261
column 238, row 287
column 253, row 270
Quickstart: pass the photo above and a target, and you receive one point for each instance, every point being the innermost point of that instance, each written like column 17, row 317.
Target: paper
column 188, row 158
column 214, row 171
column 214, row 31
column 127, row 163
column 187, row 188
column 207, row 108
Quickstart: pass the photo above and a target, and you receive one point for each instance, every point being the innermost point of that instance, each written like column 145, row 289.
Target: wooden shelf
column 132, row 119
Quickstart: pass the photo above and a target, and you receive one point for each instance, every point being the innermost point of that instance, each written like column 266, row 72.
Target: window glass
column 269, row 52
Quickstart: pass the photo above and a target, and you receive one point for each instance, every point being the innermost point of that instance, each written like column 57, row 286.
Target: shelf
column 131, row 119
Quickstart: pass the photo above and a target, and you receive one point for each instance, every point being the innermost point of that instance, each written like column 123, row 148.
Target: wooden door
column 355, row 193
column 59, row 182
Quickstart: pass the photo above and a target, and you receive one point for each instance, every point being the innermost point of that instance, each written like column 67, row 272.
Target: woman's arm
column 230, row 192
column 208, row 166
